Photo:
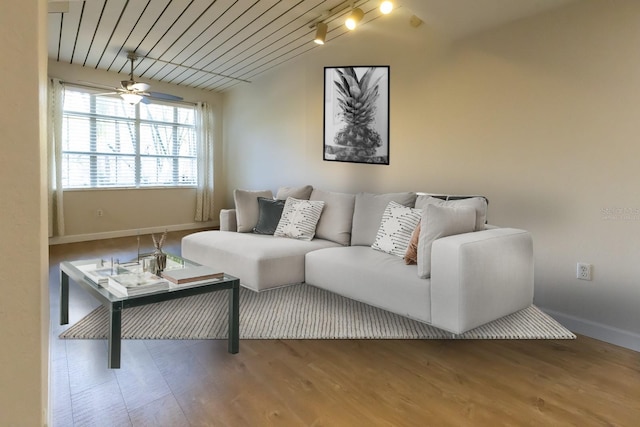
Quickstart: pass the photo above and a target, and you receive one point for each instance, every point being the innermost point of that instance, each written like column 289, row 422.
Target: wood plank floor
column 581, row 382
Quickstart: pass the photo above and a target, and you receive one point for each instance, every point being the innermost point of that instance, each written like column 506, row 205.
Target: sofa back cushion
column 337, row 216
column 479, row 203
column 300, row 193
column 247, row 208
column 367, row 214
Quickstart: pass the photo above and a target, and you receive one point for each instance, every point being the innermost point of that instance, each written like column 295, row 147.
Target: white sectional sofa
column 476, row 277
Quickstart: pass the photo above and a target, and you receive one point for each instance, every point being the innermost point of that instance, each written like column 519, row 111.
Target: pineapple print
column 357, row 141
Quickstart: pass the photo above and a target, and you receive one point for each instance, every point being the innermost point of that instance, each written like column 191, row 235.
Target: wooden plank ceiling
column 212, row 45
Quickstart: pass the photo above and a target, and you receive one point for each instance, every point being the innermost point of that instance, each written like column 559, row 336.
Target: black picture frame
column 356, row 114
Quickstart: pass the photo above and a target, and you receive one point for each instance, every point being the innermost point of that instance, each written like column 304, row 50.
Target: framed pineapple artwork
column 356, row 114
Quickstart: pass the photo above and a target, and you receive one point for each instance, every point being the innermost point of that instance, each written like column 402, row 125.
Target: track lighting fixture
column 321, row 33
column 354, row 17
column 386, row 7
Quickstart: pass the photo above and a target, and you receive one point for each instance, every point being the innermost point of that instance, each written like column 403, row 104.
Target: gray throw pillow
column 337, row 216
column 269, row 213
column 300, row 193
column 247, row 210
column 479, row 203
column 367, row 214
column 437, row 222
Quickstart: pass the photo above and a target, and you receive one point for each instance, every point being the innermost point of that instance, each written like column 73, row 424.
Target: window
column 107, row 143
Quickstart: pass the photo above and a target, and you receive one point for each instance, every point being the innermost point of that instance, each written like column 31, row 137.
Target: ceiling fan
column 134, row 92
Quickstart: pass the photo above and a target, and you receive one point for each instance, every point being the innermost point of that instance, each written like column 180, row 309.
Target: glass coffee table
column 118, row 302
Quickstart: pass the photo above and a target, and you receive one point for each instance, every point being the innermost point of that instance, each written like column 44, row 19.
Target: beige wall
column 540, row 115
column 24, row 304
column 126, row 211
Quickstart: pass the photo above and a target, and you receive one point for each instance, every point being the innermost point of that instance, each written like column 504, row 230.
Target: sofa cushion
column 299, row 219
column 247, row 209
column 367, row 214
column 259, row 261
column 441, row 221
column 372, row 277
column 337, row 216
column 479, row 203
column 270, row 212
column 301, row 193
column 396, row 227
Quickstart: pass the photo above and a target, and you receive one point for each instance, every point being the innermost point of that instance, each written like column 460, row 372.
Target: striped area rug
column 297, row 312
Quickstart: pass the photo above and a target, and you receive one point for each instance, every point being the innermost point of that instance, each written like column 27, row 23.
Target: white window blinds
column 107, row 143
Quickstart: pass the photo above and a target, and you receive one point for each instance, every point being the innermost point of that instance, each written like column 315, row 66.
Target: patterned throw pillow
column 299, row 219
column 394, row 234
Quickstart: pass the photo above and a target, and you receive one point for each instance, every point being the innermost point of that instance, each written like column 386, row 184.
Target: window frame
column 138, row 122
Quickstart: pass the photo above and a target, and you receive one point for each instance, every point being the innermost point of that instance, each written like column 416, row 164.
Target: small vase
column 161, row 260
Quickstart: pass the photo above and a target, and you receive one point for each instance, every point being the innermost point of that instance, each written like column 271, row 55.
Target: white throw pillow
column 441, row 221
column 299, row 219
column 394, row 234
column 247, row 208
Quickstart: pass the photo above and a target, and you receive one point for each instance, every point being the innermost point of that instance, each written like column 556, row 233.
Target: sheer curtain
column 205, row 131
column 54, row 157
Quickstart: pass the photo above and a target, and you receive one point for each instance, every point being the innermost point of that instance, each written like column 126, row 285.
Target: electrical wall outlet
column 583, row 271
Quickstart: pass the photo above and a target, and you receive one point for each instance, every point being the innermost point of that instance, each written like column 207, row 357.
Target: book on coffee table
column 191, row 274
column 130, row 284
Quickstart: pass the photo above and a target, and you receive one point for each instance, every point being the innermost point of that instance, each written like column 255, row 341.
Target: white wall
column 126, row 211
column 24, row 304
column 540, row 115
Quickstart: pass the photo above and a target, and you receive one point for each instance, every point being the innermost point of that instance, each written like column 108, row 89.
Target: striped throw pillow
column 394, row 234
column 299, row 219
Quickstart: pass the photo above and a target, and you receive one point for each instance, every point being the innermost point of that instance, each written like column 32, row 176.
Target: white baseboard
column 596, row 330
column 125, row 233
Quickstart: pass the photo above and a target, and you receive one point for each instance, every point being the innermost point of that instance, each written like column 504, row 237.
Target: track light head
column 354, row 17
column 321, row 33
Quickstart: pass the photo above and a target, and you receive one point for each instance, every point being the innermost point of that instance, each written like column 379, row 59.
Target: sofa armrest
column 479, row 277
column 228, row 220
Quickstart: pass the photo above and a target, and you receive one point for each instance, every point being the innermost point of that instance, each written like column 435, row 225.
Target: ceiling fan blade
column 165, row 96
column 107, row 93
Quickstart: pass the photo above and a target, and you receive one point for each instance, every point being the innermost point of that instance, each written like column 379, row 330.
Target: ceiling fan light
column 386, row 7
column 354, row 17
column 131, row 98
column 321, row 33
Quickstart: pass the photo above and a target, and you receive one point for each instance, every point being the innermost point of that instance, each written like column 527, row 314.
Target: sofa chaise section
column 259, row 261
